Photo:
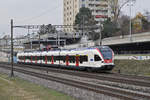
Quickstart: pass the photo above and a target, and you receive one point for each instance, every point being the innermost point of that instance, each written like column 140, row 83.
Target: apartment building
column 100, row 10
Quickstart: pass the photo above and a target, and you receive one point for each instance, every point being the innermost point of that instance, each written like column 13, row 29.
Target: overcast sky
column 43, row 12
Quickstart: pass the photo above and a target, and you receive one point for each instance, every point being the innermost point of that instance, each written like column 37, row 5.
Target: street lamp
column 130, row 24
column 101, row 28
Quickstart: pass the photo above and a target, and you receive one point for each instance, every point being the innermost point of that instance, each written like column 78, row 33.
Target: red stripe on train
column 45, row 59
column 52, row 60
column 108, row 61
column 77, row 60
column 67, row 60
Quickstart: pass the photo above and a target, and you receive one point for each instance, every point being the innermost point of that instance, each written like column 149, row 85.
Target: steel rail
column 126, row 95
column 125, row 79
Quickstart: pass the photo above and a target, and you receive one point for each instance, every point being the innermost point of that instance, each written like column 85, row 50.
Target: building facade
column 101, row 10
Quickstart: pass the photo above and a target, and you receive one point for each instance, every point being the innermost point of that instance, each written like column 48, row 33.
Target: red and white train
column 93, row 58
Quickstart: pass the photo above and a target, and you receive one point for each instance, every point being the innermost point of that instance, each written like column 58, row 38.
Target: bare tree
column 117, row 5
column 124, row 24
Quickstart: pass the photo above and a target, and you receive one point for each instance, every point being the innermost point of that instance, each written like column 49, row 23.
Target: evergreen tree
column 84, row 21
column 108, row 28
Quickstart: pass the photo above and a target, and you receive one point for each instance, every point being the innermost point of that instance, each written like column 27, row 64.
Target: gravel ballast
column 80, row 94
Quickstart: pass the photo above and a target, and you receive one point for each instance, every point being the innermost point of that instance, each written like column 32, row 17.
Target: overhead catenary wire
column 50, row 10
column 41, row 14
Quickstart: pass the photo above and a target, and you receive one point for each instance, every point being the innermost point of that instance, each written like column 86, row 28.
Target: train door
column 45, row 59
column 52, row 60
column 67, row 60
column 77, row 60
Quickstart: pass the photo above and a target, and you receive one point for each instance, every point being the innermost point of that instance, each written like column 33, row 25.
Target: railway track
column 114, row 92
column 125, row 79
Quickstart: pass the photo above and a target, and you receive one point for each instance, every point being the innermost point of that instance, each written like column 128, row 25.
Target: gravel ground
column 99, row 82
column 80, row 94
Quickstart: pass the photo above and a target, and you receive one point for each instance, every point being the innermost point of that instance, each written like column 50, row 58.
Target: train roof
column 87, row 48
column 76, row 49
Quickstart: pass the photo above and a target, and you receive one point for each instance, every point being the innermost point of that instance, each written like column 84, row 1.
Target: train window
column 61, row 57
column 44, row 58
column 64, row 58
column 83, row 58
column 27, row 57
column 54, row 58
column 20, row 57
column 33, row 58
column 49, row 58
column 106, row 52
column 72, row 59
column 57, row 57
column 97, row 58
column 38, row 57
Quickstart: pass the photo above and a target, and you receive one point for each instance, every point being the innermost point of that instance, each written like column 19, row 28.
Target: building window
column 91, row 5
column 83, row 5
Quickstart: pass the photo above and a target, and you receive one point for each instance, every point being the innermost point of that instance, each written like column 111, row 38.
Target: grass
column 17, row 89
column 134, row 67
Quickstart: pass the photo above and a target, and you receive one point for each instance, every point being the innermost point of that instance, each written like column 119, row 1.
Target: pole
column 83, row 25
column 58, row 39
column 39, row 41
column 29, row 37
column 100, row 38
column 12, row 72
column 130, row 27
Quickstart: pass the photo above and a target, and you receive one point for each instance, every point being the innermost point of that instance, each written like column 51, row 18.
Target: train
column 100, row 58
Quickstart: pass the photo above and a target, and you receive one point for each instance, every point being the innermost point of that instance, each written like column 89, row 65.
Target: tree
column 145, row 23
column 108, row 28
column 116, row 6
column 124, row 24
column 84, row 17
column 47, row 29
column 85, row 21
column 140, row 23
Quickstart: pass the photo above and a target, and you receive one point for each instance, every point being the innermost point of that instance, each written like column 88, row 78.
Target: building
column 100, row 9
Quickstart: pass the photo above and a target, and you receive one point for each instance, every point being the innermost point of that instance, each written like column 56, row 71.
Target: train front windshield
column 106, row 52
